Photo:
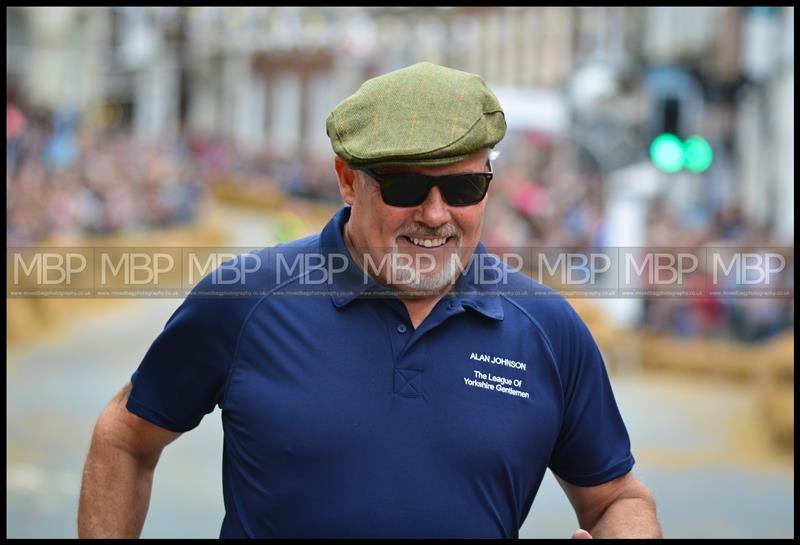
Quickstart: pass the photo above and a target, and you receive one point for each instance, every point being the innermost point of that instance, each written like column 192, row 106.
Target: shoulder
column 226, row 295
column 548, row 312
column 540, row 304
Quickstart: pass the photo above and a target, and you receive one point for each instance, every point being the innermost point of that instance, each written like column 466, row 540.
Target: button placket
column 408, row 370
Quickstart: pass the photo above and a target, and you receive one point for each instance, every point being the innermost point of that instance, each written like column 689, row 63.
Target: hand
column 582, row 534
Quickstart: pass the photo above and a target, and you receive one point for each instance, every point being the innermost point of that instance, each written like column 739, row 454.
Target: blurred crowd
column 63, row 182
column 749, row 319
column 545, row 199
column 552, row 197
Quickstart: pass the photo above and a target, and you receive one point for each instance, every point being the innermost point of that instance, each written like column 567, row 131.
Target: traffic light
column 670, row 154
column 667, row 151
column 697, row 154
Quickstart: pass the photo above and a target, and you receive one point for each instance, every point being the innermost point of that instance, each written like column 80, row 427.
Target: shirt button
column 401, row 328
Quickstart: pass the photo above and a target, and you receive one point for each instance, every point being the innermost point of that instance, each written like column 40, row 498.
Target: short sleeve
column 593, row 446
column 182, row 377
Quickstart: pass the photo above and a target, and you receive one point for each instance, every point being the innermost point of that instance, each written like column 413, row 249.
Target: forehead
column 474, row 163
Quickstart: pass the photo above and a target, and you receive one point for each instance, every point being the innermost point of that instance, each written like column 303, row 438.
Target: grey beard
column 408, row 278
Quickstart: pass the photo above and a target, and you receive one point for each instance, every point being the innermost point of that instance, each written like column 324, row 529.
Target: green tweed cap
column 424, row 114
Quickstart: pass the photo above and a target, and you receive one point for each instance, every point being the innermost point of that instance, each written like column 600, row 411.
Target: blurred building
column 266, row 77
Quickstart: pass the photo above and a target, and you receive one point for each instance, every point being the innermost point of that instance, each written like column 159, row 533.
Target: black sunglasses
column 404, row 189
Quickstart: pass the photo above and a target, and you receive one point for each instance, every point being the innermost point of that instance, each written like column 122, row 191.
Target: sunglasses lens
column 465, row 190
column 405, row 192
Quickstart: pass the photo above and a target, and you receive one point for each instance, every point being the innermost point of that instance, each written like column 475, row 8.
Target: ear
column 347, row 180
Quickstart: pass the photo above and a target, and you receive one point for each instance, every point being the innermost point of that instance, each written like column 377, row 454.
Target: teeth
column 427, row 243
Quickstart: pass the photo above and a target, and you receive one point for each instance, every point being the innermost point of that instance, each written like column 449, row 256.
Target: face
column 419, row 250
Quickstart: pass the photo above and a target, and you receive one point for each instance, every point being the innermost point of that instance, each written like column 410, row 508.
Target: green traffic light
column 697, row 154
column 666, row 151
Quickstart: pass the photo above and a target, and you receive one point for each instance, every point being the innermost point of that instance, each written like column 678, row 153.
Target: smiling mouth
column 427, row 242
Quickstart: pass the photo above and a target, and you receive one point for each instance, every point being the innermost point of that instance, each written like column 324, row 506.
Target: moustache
column 445, row 231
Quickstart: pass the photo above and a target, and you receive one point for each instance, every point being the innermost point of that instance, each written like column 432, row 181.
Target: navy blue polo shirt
column 342, row 420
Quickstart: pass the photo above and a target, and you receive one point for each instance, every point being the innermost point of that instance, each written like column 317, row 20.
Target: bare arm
column 118, row 475
column 623, row 507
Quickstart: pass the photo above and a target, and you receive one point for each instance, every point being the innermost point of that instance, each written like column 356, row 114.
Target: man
column 399, row 390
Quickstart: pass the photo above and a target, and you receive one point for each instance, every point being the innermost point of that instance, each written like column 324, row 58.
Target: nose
column 434, row 211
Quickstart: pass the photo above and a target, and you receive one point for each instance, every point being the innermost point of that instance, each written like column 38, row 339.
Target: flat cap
column 424, row 114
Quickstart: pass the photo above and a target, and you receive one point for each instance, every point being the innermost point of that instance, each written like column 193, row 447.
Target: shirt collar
column 475, row 289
